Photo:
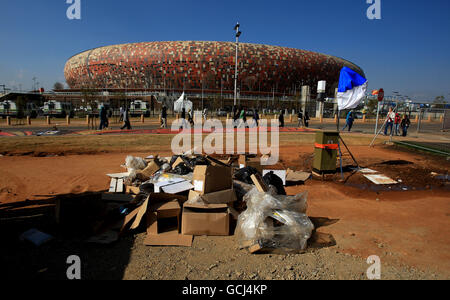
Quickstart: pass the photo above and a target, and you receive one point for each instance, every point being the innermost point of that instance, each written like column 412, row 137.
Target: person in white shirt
column 390, row 121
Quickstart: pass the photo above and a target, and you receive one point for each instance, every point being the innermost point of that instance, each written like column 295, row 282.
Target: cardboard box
column 213, row 178
column 148, row 172
column 222, row 197
column 163, row 225
column 211, row 220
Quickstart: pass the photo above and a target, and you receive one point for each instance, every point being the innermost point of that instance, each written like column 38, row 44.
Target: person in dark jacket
column 306, row 119
column 300, row 119
column 183, row 118
column 256, row 117
column 126, row 120
column 103, row 118
column 281, row 119
column 405, row 125
column 164, row 117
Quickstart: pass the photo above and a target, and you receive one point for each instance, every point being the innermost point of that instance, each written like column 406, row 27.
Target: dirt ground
column 406, row 226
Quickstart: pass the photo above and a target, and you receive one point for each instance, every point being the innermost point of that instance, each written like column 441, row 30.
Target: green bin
column 326, row 152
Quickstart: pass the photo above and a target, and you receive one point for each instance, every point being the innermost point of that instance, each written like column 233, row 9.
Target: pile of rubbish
column 177, row 198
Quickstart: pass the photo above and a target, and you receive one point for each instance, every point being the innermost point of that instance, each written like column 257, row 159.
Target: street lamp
column 238, row 34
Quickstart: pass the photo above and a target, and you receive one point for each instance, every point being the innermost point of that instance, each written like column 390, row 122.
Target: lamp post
column 238, row 34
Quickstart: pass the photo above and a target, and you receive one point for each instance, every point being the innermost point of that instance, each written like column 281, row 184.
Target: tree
column 439, row 102
column 58, row 86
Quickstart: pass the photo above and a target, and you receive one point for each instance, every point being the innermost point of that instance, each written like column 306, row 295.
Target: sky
column 406, row 51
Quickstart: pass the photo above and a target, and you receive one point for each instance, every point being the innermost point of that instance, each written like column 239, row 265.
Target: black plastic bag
column 147, row 188
column 245, row 174
column 277, row 182
column 182, row 169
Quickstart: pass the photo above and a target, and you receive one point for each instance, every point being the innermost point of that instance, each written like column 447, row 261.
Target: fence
column 446, row 121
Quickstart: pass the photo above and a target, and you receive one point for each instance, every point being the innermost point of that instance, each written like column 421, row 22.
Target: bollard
column 48, row 120
column 142, row 118
column 28, row 120
column 68, row 120
column 8, row 121
column 364, row 118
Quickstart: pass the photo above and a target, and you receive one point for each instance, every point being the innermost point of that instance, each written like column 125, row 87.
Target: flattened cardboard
column 210, row 220
column 213, row 178
column 293, row 176
column 222, row 197
column 141, row 212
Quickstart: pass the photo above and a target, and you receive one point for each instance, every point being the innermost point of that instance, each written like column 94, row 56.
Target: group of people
column 105, row 114
column 303, row 119
column 394, row 122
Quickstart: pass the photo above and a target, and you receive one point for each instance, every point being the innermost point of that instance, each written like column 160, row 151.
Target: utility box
column 326, row 152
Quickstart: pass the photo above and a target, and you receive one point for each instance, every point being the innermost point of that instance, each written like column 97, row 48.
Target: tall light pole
column 238, row 34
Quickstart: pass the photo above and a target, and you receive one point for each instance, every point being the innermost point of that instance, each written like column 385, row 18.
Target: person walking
column 306, row 119
column 164, row 117
column 126, row 120
column 121, row 114
column 281, row 119
column 205, row 114
column 256, row 117
column 390, row 121
column 183, row 118
column 349, row 121
column 191, row 119
column 242, row 119
column 300, row 119
column 103, row 118
column 405, row 125
column 397, row 122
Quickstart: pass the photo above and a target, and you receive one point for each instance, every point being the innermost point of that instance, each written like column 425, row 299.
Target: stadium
column 205, row 68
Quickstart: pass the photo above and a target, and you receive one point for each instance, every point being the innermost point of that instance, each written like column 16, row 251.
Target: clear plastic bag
column 135, row 163
column 274, row 221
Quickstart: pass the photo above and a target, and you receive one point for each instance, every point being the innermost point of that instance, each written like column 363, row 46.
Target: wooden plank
column 112, row 185
column 119, row 187
column 260, row 185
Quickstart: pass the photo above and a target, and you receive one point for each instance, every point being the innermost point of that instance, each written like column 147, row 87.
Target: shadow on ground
column 71, row 220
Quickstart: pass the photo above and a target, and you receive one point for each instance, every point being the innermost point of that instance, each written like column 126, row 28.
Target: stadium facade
column 206, row 66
